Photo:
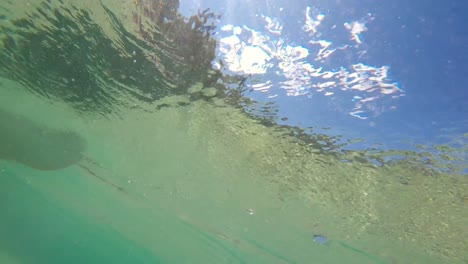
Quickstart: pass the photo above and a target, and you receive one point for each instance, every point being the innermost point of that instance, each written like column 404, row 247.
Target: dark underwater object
column 24, row 141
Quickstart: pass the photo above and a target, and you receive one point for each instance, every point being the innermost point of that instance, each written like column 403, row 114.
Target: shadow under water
column 36, row 146
column 42, row 148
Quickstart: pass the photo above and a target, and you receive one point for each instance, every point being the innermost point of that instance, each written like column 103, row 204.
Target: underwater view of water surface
column 167, row 131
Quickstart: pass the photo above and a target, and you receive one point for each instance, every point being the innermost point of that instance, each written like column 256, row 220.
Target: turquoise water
column 179, row 192
column 108, row 156
column 48, row 233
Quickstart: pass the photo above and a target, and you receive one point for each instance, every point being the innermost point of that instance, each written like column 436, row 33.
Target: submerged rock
column 197, row 87
column 209, row 92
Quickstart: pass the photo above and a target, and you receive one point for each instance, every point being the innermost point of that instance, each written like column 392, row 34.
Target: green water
column 188, row 177
column 198, row 181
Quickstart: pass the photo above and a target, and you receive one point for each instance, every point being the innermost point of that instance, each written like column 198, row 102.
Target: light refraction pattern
column 305, row 69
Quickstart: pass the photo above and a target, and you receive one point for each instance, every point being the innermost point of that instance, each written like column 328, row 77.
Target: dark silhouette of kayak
column 24, row 141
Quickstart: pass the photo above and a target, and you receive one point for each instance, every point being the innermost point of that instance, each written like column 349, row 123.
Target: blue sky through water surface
column 384, row 71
